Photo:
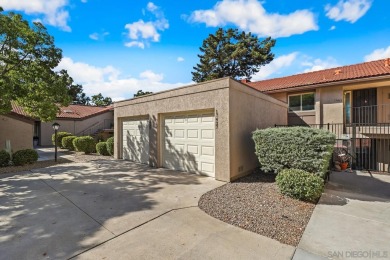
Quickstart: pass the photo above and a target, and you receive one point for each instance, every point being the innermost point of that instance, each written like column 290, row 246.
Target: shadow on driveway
column 63, row 210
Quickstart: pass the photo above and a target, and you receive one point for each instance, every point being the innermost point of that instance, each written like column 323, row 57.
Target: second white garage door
column 136, row 140
column 189, row 143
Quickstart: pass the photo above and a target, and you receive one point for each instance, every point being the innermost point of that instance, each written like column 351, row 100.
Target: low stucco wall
column 74, row 126
column 250, row 110
column 211, row 95
column 19, row 131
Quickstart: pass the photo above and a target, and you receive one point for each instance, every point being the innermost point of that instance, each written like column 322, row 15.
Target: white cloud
column 82, row 72
column 378, row 54
column 180, row 59
column 151, row 7
column 84, row 1
column 98, row 36
column 275, row 65
column 333, row 27
column 109, row 81
column 348, row 10
column 142, row 32
column 250, row 15
column 150, row 75
column 319, row 64
column 136, row 44
column 94, row 36
column 53, row 12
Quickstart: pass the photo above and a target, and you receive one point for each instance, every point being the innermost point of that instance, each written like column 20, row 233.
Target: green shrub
column 60, row 135
column 110, row 146
column 101, row 148
column 84, row 144
column 26, row 156
column 5, row 158
column 300, row 184
column 301, row 148
column 67, row 142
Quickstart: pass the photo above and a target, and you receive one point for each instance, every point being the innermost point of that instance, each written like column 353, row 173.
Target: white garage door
column 136, row 140
column 189, row 143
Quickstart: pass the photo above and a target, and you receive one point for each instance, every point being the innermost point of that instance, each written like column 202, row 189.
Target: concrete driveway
column 118, row 210
column 351, row 220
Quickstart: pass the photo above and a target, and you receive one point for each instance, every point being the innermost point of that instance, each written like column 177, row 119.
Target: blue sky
column 118, row 47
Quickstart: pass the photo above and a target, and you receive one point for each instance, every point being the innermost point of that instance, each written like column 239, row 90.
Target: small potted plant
column 344, row 160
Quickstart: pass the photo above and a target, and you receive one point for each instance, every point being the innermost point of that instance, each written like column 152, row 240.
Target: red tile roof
column 69, row 112
column 356, row 71
column 80, row 111
column 18, row 110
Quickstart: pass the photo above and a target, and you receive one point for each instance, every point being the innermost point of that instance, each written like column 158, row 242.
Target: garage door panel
column 136, row 140
column 207, row 134
column 179, row 133
column 193, row 133
column 189, row 143
column 193, row 119
column 207, row 167
column 193, row 149
column 208, row 150
column 207, row 119
column 179, row 120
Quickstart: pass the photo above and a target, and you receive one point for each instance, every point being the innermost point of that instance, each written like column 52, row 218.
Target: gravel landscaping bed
column 255, row 204
column 70, row 157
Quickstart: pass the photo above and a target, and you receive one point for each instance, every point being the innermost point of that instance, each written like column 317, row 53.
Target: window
column 301, row 102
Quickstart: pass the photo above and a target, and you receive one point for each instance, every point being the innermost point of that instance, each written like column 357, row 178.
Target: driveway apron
column 118, row 209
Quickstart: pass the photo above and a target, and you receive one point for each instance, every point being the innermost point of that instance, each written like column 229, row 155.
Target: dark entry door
column 364, row 106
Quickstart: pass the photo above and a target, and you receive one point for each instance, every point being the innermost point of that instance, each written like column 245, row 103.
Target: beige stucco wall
column 250, row 110
column 282, row 96
column 211, row 95
column 72, row 126
column 331, row 105
column 19, row 131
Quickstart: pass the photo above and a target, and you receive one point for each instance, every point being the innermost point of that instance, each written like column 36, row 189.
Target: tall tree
column 232, row 53
column 142, row 93
column 28, row 57
column 78, row 96
column 99, row 100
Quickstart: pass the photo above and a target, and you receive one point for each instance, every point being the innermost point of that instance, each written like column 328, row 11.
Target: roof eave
column 328, row 84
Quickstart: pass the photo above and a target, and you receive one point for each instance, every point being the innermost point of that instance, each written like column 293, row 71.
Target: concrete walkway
column 47, row 153
column 118, row 210
column 351, row 221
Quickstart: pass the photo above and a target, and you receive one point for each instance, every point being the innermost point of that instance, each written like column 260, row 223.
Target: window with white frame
column 301, row 102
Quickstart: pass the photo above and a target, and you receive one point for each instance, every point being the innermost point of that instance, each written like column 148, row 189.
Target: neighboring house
column 204, row 128
column 351, row 101
column 78, row 120
column 20, row 129
column 16, row 129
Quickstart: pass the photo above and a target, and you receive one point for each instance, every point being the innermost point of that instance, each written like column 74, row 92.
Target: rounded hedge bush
column 60, row 135
column 5, row 158
column 101, row 148
column 300, row 184
column 110, row 146
column 67, row 142
column 84, row 144
column 23, row 157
